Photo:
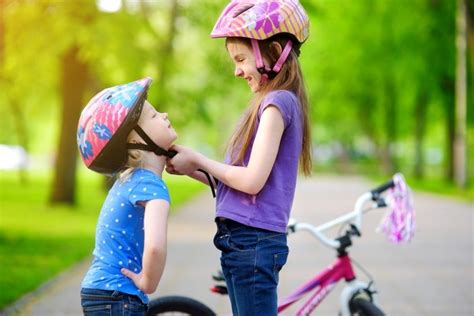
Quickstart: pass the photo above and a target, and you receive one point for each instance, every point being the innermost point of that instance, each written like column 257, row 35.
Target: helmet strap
column 269, row 73
column 150, row 145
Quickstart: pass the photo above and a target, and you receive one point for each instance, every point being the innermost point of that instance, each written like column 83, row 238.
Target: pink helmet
column 105, row 123
column 261, row 19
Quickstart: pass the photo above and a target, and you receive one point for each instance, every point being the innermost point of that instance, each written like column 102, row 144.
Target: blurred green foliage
column 380, row 74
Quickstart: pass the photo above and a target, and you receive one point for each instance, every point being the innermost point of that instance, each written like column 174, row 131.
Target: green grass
column 37, row 240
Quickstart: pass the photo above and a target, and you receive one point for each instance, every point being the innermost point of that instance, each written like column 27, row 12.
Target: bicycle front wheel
column 178, row 305
column 362, row 307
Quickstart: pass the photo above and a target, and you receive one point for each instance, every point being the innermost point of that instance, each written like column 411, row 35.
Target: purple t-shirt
column 270, row 208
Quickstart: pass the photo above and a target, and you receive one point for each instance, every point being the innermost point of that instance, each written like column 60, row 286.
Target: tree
column 461, row 99
column 74, row 75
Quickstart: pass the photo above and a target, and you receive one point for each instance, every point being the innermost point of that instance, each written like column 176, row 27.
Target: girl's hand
column 171, row 170
column 185, row 161
column 136, row 278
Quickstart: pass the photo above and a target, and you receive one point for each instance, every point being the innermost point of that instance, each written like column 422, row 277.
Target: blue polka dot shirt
column 120, row 233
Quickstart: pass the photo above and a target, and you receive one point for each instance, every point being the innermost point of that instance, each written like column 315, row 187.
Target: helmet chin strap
column 153, row 147
column 267, row 72
column 150, row 145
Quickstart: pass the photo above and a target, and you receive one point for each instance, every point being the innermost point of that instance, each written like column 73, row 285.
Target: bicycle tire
column 178, row 305
column 363, row 307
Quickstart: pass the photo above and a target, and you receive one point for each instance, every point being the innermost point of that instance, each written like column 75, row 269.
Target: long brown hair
column 289, row 78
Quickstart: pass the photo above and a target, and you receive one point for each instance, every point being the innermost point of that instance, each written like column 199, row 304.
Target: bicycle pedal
column 219, row 289
column 219, row 276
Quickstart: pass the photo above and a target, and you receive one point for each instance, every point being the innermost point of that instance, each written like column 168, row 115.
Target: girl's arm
column 251, row 178
column 196, row 175
column 154, row 253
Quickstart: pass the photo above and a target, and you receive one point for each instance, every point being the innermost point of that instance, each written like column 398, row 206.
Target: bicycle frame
column 325, row 281
column 342, row 268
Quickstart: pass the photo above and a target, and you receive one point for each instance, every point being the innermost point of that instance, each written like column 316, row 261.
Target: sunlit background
column 390, row 87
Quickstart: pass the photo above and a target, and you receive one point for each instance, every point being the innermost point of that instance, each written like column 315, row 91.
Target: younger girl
column 257, row 181
column 120, row 132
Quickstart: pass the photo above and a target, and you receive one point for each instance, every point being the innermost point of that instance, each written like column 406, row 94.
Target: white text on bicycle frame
column 311, row 305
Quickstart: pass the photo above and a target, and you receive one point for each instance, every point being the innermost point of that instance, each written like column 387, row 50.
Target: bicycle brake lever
column 381, row 202
column 354, row 230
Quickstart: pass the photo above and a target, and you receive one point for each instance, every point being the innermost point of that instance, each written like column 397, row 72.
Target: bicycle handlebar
column 383, row 187
column 354, row 216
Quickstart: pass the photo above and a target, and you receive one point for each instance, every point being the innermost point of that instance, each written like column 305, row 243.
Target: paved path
column 433, row 275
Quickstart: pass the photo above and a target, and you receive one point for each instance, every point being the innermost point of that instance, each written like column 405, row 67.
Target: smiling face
column 157, row 126
column 245, row 65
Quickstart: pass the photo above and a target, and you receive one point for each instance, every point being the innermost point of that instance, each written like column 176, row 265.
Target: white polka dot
column 90, row 282
column 102, row 278
column 141, row 178
column 111, row 252
column 122, row 205
column 124, row 232
column 120, row 247
column 135, row 258
column 103, row 241
column 154, row 194
column 101, row 258
column 107, row 225
column 112, row 236
column 118, row 193
column 144, row 189
column 119, row 285
column 129, row 190
column 116, row 220
column 135, row 269
column 134, row 196
column 112, row 209
column 107, row 285
column 129, row 215
column 120, row 262
column 129, row 261
column 128, row 248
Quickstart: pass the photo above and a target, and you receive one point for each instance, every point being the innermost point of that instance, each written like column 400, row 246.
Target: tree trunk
column 166, row 58
column 420, row 129
column 461, row 78
column 73, row 85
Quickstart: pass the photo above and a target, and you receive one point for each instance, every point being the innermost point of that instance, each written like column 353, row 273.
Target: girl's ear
column 275, row 50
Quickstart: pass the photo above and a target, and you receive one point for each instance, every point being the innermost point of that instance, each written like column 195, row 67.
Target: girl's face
column 245, row 65
column 157, row 126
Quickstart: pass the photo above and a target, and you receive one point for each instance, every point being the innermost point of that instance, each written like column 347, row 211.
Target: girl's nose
column 238, row 72
column 165, row 115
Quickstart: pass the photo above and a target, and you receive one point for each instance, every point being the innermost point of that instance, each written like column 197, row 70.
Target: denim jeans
column 251, row 259
column 104, row 303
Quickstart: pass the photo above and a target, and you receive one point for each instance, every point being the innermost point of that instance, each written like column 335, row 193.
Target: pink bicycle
column 357, row 298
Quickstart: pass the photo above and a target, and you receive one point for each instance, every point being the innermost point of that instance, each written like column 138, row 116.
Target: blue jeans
column 251, row 259
column 104, row 303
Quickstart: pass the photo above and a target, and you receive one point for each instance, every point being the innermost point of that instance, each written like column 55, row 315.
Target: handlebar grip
column 381, row 188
